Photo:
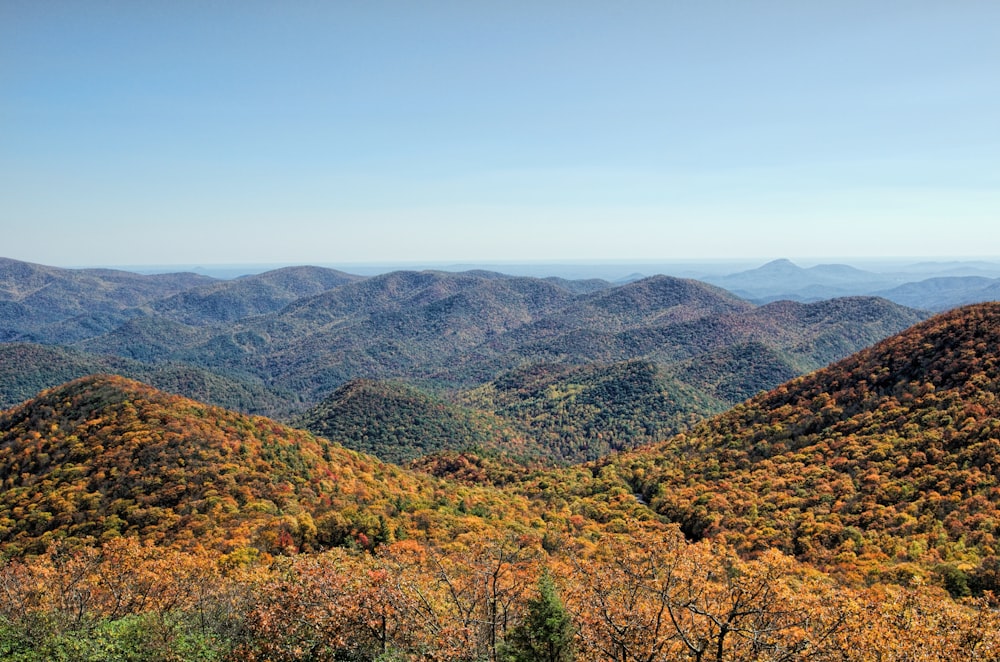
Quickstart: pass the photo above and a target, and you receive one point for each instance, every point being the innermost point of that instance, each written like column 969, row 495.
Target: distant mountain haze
column 622, row 364
column 929, row 286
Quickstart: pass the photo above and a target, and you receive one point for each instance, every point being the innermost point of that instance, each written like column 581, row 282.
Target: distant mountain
column 929, row 286
column 147, row 339
column 399, row 325
column 582, row 408
column 924, row 270
column 588, row 328
column 782, row 279
column 585, row 286
column 293, row 336
column 471, row 336
column 882, row 463
column 796, row 338
column 40, row 303
column 945, row 293
column 248, row 296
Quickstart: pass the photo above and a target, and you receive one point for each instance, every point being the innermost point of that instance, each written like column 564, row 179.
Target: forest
column 558, row 510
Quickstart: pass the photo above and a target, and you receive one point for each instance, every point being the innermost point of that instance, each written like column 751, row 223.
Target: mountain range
column 280, row 342
column 845, row 514
column 884, row 458
column 930, row 286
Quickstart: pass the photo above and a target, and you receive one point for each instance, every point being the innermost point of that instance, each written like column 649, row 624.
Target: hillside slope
column 399, row 423
column 103, row 457
column 580, row 413
column 249, row 296
column 945, row 292
column 270, row 344
column 26, row 369
column 46, row 304
column 882, row 463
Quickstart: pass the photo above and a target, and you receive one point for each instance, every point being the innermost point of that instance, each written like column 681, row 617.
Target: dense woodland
column 882, row 463
column 624, row 364
column 849, row 514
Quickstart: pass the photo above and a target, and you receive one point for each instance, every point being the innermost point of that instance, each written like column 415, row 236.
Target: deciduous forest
column 609, row 509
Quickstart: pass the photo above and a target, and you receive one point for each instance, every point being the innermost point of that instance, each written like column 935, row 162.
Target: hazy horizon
column 575, row 269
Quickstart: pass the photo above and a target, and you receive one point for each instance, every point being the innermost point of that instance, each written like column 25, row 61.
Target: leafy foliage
column 882, row 465
column 26, row 369
column 543, row 414
column 399, row 423
column 847, row 515
column 104, row 457
column 651, row 596
column 135, row 520
column 279, row 342
column 579, row 413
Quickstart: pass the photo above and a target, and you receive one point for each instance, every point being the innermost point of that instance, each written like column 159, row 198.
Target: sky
column 212, row 132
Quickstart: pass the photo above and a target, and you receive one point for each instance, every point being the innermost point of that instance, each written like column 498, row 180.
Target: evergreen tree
column 546, row 632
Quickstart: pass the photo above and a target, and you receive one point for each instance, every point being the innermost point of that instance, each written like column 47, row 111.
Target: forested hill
column 281, row 342
column 140, row 525
column 883, row 459
column 399, row 423
column 27, row 368
column 248, row 296
column 541, row 415
column 461, row 330
column 49, row 304
column 885, row 462
column 103, row 457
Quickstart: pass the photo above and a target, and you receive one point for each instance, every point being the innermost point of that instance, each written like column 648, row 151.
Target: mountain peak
column 781, row 264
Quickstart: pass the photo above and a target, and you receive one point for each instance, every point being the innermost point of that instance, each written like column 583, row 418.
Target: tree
column 546, row 633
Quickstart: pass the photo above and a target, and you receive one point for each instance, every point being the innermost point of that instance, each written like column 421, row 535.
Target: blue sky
column 291, row 132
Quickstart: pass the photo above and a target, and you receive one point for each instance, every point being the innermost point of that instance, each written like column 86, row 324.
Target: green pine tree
column 546, row 632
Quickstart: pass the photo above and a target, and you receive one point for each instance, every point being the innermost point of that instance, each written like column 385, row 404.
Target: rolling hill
column 137, row 523
column 758, row 347
column 248, row 296
column 26, row 369
column 579, row 413
column 280, row 342
column 399, row 423
column 943, row 293
column 783, row 279
column 103, row 457
column 47, row 304
column 542, row 415
column 883, row 464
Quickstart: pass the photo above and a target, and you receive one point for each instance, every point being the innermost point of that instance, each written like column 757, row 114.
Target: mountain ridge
column 276, row 336
column 894, row 443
